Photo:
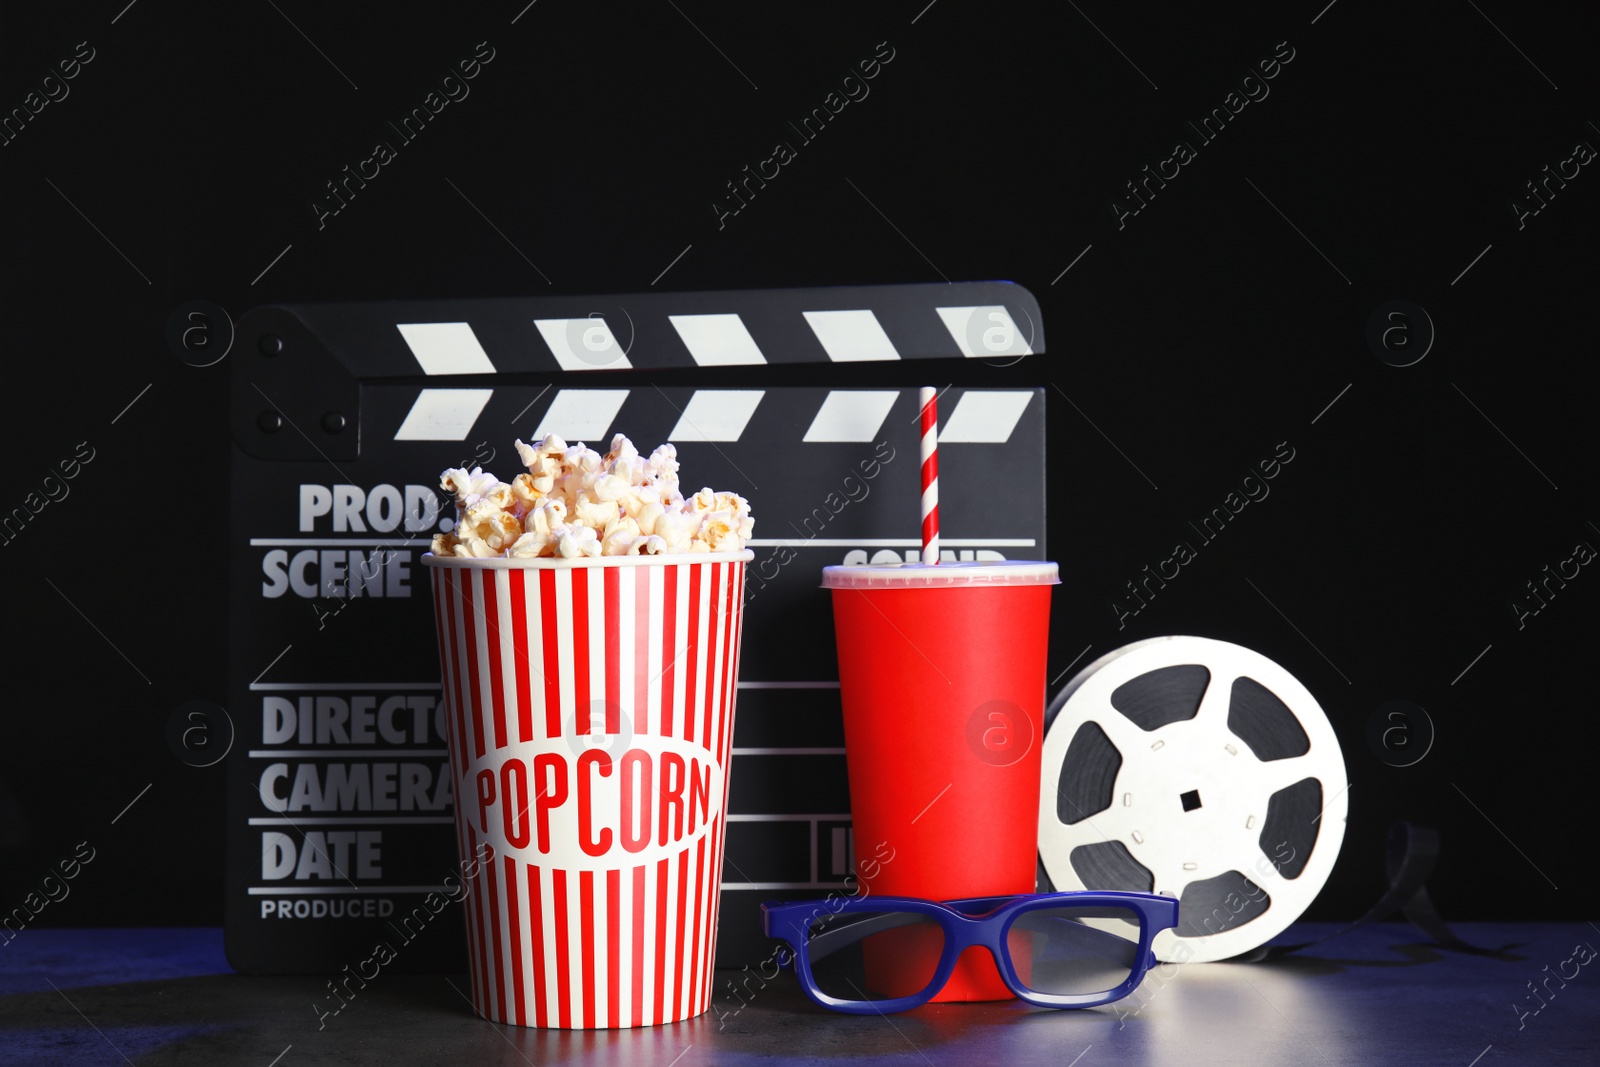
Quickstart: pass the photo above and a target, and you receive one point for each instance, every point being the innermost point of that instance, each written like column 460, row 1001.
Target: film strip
column 340, row 818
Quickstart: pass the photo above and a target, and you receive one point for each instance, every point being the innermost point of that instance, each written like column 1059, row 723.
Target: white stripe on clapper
column 717, row 340
column 851, row 336
column 445, row 347
column 990, row 324
column 443, row 414
column 716, row 415
column 601, row 351
column 984, row 417
column 582, row 414
column 851, row 415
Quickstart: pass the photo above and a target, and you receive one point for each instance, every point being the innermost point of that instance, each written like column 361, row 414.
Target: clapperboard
column 339, row 805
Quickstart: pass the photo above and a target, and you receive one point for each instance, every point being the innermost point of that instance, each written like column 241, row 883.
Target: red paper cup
column 589, row 705
column 941, row 672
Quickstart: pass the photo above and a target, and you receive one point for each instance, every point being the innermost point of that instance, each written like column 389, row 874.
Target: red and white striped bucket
column 590, row 709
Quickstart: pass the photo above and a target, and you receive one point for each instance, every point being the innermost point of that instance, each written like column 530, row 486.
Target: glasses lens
column 1075, row 951
column 874, row 955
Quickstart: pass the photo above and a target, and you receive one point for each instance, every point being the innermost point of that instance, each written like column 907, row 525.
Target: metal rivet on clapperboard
column 269, row 421
column 333, row 422
column 270, row 344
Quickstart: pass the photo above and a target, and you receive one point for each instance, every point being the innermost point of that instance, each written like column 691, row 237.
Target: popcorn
column 491, row 523
column 612, row 487
column 597, row 514
column 619, row 536
column 647, row 517
column 546, row 518
column 661, row 470
column 543, row 526
column 528, row 546
column 576, row 541
column 647, row 545
column 467, row 485
column 717, row 531
column 528, row 490
column 676, row 529
column 575, row 502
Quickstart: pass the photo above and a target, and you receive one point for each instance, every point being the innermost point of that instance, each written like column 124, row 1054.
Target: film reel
column 1197, row 768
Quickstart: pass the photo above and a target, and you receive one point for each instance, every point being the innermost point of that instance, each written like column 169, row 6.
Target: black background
column 1196, row 337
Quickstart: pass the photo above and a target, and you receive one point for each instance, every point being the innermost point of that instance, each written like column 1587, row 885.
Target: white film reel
column 1200, row 769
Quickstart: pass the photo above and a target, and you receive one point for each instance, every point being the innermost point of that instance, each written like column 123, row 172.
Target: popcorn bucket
column 589, row 705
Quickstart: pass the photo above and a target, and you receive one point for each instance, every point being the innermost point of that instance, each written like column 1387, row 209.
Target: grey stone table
column 1377, row 995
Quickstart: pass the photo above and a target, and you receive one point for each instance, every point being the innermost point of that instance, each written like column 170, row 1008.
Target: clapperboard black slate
column 339, row 806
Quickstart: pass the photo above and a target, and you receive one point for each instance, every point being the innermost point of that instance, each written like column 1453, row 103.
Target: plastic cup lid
column 940, row 575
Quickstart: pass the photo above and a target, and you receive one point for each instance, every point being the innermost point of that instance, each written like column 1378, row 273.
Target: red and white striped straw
column 929, row 399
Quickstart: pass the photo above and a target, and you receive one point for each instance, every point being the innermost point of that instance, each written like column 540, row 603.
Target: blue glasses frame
column 981, row 921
